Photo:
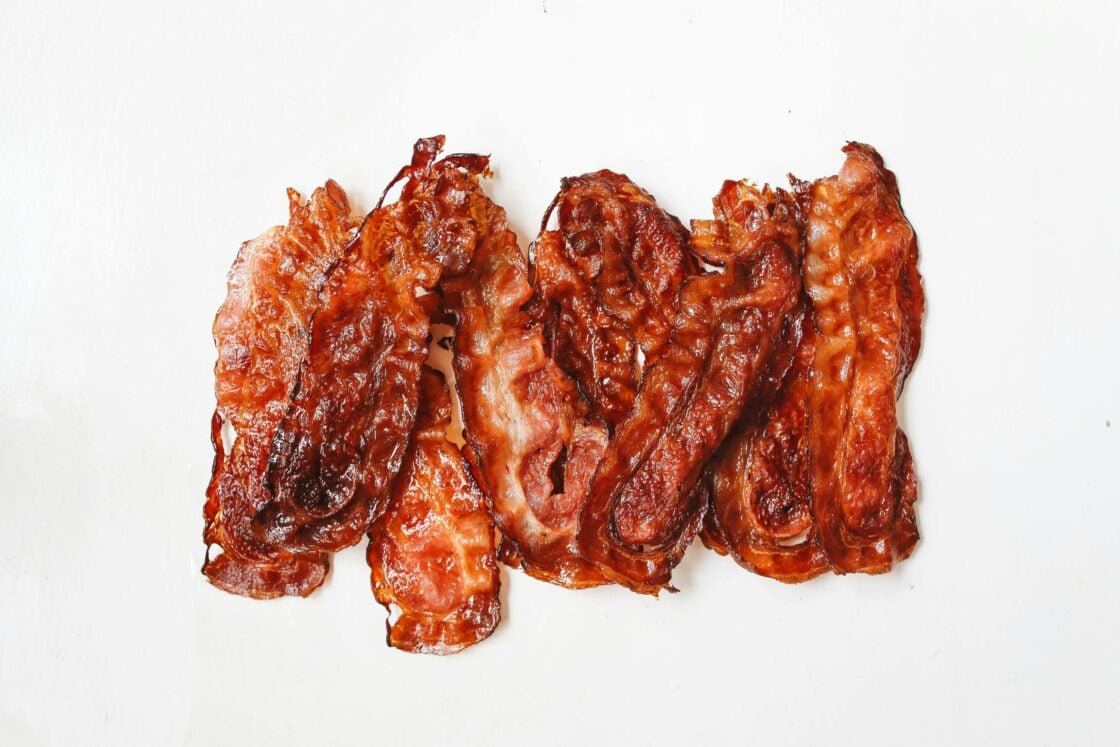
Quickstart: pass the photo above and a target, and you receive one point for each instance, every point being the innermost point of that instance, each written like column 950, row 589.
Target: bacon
column 825, row 479
column 861, row 274
column 617, row 401
column 344, row 435
column 542, row 390
column 530, row 439
column 605, row 285
column 759, row 483
column 432, row 553
column 730, row 340
column 261, row 335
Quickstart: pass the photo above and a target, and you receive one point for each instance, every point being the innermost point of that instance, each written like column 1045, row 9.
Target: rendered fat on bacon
column 732, row 337
column 344, row 435
column 861, row 274
column 432, row 554
column 261, row 335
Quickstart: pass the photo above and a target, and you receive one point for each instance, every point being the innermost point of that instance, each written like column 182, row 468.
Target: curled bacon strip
column 605, row 285
column 595, row 387
column 432, row 553
column 344, row 435
column 526, row 426
column 759, row 480
column 759, row 484
column 261, row 335
column 730, row 340
column 862, row 276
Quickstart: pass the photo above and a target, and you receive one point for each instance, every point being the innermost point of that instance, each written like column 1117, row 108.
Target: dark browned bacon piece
column 605, row 285
column 733, row 336
column 261, row 335
column 345, row 432
column 861, row 272
column 432, row 553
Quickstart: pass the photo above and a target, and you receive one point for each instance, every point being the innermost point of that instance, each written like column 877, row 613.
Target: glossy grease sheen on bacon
column 261, row 336
column 432, row 553
column 861, row 273
column 605, row 285
column 731, row 338
column 530, row 438
column 342, row 439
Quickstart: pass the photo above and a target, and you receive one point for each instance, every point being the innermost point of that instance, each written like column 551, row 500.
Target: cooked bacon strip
column 759, row 480
column 605, row 285
column 432, row 553
column 345, row 433
column 759, row 484
column 261, row 335
column 730, row 339
column 530, row 440
column 862, row 276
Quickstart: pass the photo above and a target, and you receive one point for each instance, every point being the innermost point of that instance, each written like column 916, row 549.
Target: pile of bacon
column 628, row 387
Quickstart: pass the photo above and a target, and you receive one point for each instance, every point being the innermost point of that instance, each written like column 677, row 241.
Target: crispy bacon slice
column 432, row 553
column 345, row 432
column 530, row 439
column 861, row 273
column 605, row 285
column 261, row 335
column 759, row 483
column 730, row 340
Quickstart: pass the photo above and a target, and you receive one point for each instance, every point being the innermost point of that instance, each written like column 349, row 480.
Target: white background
column 139, row 145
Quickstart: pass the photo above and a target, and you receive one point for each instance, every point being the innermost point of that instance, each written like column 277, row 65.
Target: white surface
column 140, row 145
